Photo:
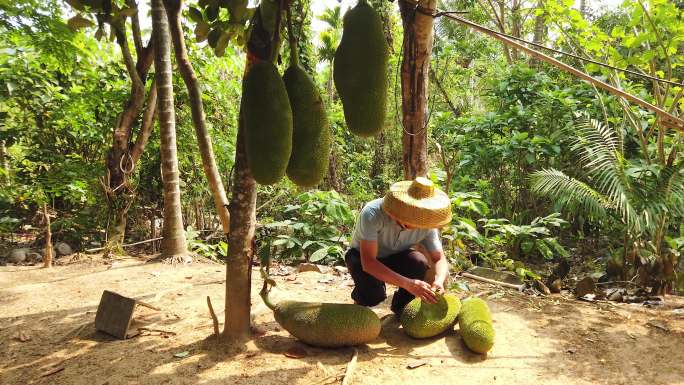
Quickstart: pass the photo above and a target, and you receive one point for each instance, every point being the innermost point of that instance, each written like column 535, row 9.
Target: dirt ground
column 47, row 335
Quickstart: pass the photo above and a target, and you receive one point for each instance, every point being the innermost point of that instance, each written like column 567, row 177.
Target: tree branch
column 135, row 24
column 147, row 123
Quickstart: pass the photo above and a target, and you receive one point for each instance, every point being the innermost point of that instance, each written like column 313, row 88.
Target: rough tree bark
column 236, row 330
column 174, row 243
column 218, row 192
column 415, row 70
column 47, row 258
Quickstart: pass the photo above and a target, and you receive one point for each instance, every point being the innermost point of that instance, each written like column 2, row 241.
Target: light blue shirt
column 374, row 224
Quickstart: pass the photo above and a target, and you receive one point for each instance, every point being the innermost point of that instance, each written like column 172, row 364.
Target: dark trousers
column 370, row 291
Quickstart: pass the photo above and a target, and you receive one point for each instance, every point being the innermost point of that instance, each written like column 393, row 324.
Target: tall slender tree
column 218, row 192
column 174, row 242
column 330, row 38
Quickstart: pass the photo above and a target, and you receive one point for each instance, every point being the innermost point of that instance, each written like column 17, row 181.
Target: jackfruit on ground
column 475, row 325
column 420, row 319
column 311, row 132
column 326, row 324
column 360, row 70
column 267, row 119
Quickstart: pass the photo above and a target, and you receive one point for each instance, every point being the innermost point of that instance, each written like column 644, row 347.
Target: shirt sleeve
column 431, row 241
column 368, row 224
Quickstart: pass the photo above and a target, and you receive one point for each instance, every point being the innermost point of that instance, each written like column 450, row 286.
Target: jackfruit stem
column 294, row 56
column 264, row 296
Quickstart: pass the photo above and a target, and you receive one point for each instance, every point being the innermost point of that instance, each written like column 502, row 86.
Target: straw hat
column 418, row 203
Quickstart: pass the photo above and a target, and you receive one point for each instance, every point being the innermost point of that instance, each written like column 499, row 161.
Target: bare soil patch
column 47, row 335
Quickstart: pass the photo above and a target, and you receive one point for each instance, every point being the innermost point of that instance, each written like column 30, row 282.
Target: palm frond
column 600, row 153
column 570, row 192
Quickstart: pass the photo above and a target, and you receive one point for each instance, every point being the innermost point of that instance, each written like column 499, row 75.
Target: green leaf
column 221, row 44
column 214, row 36
column 212, row 12
column 195, row 14
column 319, row 254
column 78, row 22
column 201, row 31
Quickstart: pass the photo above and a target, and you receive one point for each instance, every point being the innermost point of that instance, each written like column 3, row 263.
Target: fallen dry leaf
column 22, row 336
column 416, row 364
column 296, row 352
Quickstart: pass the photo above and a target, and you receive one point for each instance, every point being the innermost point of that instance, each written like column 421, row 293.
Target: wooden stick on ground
column 350, row 368
column 504, row 284
column 127, row 245
column 214, row 319
column 147, row 305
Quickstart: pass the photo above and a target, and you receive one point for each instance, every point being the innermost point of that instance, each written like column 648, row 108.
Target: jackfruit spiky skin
column 268, row 122
column 361, row 70
column 424, row 320
column 478, row 336
column 328, row 324
column 311, row 133
column 475, row 324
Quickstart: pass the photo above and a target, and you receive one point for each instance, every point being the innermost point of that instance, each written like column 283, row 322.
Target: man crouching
column 381, row 251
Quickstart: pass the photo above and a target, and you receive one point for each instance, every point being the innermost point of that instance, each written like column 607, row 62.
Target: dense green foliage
column 537, row 163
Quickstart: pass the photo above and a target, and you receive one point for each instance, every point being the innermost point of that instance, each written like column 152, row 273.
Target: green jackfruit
column 311, row 132
column 361, row 70
column 326, row 325
column 267, row 119
column 475, row 324
column 423, row 320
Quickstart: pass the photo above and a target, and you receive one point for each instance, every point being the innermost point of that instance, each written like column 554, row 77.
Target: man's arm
column 441, row 270
column 371, row 265
column 433, row 244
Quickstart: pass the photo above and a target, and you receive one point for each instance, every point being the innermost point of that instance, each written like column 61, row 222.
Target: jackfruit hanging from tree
column 311, row 132
column 420, row 319
column 475, row 325
column 360, row 70
column 267, row 117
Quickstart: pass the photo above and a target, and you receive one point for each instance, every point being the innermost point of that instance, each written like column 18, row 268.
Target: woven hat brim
column 424, row 213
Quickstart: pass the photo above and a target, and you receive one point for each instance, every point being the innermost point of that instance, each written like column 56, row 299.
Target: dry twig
column 350, row 368
column 214, row 319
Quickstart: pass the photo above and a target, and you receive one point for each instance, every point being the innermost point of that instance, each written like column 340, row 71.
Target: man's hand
column 438, row 287
column 422, row 290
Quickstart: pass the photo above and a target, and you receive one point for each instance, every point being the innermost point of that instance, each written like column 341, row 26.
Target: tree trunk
column 116, row 231
column 540, row 31
column 120, row 161
column 153, row 229
column 261, row 46
column 174, row 243
column 415, row 70
column 584, row 8
column 218, row 192
column 330, row 85
column 378, row 155
column 242, row 221
column 333, row 179
column 47, row 259
column 5, row 163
